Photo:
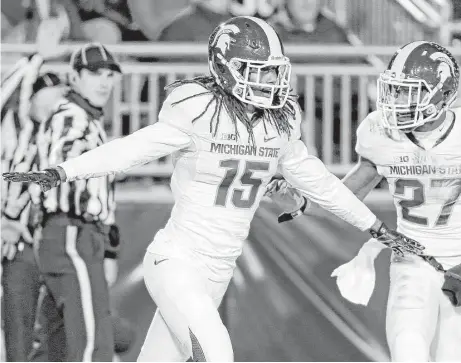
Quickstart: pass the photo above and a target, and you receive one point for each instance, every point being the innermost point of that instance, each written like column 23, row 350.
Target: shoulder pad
column 298, row 117
column 184, row 104
column 369, row 132
column 195, row 91
column 457, row 112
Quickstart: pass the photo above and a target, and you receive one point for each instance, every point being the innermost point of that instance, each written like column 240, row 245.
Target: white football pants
column 421, row 323
column 187, row 323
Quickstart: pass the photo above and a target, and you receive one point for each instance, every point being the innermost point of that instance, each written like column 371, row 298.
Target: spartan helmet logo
column 223, row 39
column 445, row 69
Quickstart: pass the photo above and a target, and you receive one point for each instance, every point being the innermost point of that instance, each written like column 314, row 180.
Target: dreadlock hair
column 279, row 118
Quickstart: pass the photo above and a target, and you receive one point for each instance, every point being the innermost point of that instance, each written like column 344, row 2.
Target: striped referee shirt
column 18, row 139
column 74, row 129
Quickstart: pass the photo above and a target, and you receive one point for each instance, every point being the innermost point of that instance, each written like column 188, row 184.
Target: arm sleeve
column 362, row 178
column 366, row 137
column 311, row 177
column 11, row 82
column 171, row 133
column 18, row 195
column 18, row 150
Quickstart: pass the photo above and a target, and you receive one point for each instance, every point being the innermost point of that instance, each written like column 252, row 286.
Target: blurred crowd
column 114, row 21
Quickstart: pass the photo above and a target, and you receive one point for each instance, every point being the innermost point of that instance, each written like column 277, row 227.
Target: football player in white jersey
column 414, row 141
column 229, row 133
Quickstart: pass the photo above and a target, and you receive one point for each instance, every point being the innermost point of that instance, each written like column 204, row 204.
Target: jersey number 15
column 232, row 166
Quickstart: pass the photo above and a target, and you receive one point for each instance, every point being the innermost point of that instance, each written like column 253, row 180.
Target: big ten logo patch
column 400, row 159
column 228, row 137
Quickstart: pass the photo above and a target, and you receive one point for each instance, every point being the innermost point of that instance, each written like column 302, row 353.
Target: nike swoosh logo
column 266, row 139
column 156, row 262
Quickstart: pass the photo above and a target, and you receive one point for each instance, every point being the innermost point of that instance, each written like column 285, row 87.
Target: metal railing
column 384, row 22
column 335, row 97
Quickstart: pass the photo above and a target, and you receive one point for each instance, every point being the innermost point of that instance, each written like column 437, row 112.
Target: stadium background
column 282, row 304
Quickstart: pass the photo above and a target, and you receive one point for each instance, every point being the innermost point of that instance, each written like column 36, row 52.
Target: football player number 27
column 419, row 199
column 232, row 166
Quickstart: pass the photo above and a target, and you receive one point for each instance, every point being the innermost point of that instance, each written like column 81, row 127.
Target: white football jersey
column 425, row 184
column 218, row 179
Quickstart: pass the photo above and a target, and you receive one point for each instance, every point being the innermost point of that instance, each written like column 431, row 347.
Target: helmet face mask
column 250, row 85
column 405, row 104
column 420, row 83
column 246, row 59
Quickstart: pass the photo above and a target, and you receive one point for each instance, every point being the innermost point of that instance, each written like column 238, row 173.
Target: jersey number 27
column 419, row 199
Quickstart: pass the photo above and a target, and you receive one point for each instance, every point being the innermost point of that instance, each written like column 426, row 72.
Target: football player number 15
column 246, row 178
column 419, row 199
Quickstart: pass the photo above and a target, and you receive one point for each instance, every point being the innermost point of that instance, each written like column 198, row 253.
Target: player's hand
column 110, row 271
column 50, row 32
column 12, row 232
column 289, row 199
column 8, row 250
column 399, row 243
column 46, row 179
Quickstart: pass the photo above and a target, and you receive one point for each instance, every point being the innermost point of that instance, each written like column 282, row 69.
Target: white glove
column 356, row 278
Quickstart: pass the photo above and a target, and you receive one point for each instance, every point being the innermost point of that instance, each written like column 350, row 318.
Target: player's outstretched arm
column 360, row 180
column 171, row 133
column 149, row 143
column 309, row 174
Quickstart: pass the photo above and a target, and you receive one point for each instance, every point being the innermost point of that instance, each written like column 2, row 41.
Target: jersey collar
column 93, row 111
column 442, row 138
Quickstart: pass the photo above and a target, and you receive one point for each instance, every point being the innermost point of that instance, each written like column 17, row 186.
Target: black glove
column 114, row 236
column 114, row 241
column 47, row 179
column 399, row 243
column 452, row 285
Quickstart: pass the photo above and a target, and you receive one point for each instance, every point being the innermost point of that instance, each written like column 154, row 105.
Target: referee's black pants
column 71, row 261
column 21, row 289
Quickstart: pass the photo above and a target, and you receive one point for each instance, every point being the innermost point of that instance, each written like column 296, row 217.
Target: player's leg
column 166, row 347
column 412, row 310
column 160, row 345
column 447, row 347
column 183, row 297
column 20, row 280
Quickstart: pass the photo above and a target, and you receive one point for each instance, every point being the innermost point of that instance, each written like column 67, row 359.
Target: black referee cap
column 94, row 56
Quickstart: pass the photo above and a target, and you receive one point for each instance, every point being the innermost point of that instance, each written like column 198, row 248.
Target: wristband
column 284, row 217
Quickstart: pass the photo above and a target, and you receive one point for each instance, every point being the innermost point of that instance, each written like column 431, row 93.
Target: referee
column 78, row 216
column 27, row 101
